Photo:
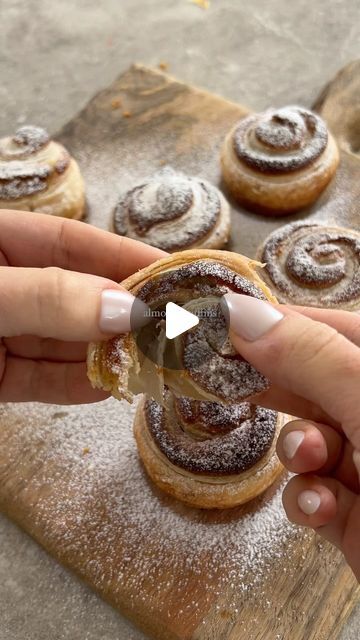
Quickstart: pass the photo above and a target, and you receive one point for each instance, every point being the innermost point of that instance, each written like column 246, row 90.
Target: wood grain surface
column 144, row 120
column 339, row 103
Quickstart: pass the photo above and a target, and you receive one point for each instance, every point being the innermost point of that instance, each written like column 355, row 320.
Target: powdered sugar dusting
column 212, row 417
column 213, row 363
column 224, row 454
column 198, row 278
column 169, row 210
column 111, row 164
column 316, row 265
column 19, row 179
column 30, row 139
column 26, row 141
column 21, row 174
column 91, row 501
column 280, row 140
column 224, row 374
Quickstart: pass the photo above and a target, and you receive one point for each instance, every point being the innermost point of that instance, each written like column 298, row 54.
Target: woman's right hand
column 312, row 358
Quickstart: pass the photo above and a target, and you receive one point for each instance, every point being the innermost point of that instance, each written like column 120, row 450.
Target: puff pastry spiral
column 38, row 174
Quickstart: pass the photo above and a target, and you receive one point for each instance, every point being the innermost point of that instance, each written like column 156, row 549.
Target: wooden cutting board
column 70, row 476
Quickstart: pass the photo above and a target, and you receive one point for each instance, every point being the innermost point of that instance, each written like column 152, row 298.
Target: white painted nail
column 115, row 311
column 292, row 442
column 251, row 318
column 309, row 502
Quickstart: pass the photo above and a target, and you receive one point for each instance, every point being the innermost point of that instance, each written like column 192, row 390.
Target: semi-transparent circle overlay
column 209, row 336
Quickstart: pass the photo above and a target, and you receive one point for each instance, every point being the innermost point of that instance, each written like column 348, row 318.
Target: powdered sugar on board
column 91, row 500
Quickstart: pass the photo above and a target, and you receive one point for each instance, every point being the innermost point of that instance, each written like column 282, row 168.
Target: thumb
column 308, row 358
column 60, row 304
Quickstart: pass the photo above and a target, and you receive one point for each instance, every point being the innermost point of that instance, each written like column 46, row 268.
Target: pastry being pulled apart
column 38, row 174
column 207, row 454
column 314, row 265
column 173, row 211
column 279, row 161
column 200, row 363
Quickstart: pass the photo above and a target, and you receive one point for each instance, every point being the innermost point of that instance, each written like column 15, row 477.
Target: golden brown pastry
column 38, row 174
column 204, row 365
column 279, row 161
column 173, row 211
column 206, row 454
column 314, row 265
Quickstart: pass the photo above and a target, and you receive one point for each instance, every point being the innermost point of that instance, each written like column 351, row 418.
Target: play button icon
column 168, row 325
column 178, row 320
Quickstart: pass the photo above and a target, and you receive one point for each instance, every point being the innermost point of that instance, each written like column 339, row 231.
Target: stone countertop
column 54, row 57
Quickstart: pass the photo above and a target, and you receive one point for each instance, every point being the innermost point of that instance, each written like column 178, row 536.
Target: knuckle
column 317, row 345
column 61, row 252
column 275, row 350
column 50, row 293
column 121, row 252
column 6, row 300
column 311, row 344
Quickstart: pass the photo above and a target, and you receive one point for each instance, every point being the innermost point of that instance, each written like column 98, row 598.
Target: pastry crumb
column 85, row 451
column 127, row 114
column 163, row 66
column 116, row 103
column 203, row 4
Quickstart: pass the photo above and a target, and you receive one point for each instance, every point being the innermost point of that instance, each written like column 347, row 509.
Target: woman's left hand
column 59, row 290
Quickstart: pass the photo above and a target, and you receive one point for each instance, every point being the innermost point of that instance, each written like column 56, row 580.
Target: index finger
column 30, row 239
column 345, row 322
column 306, row 357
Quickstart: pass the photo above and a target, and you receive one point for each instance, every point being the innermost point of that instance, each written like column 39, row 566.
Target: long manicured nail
column 292, row 442
column 251, row 318
column 356, row 458
column 309, row 502
column 115, row 311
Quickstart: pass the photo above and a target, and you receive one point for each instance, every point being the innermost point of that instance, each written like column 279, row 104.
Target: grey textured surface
column 53, row 57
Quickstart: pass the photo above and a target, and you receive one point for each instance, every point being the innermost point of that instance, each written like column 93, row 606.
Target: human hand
column 59, row 290
column 312, row 358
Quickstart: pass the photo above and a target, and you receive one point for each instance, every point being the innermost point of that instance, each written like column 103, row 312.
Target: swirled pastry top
column 280, row 140
column 172, row 211
column 205, row 352
column 29, row 162
column 209, row 368
column 208, row 437
column 313, row 264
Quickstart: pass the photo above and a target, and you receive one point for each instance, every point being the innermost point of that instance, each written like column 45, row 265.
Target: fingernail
column 309, row 502
column 356, row 458
column 115, row 311
column 292, row 442
column 251, row 318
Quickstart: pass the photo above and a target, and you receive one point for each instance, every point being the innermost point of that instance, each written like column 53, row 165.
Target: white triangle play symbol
column 178, row 320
